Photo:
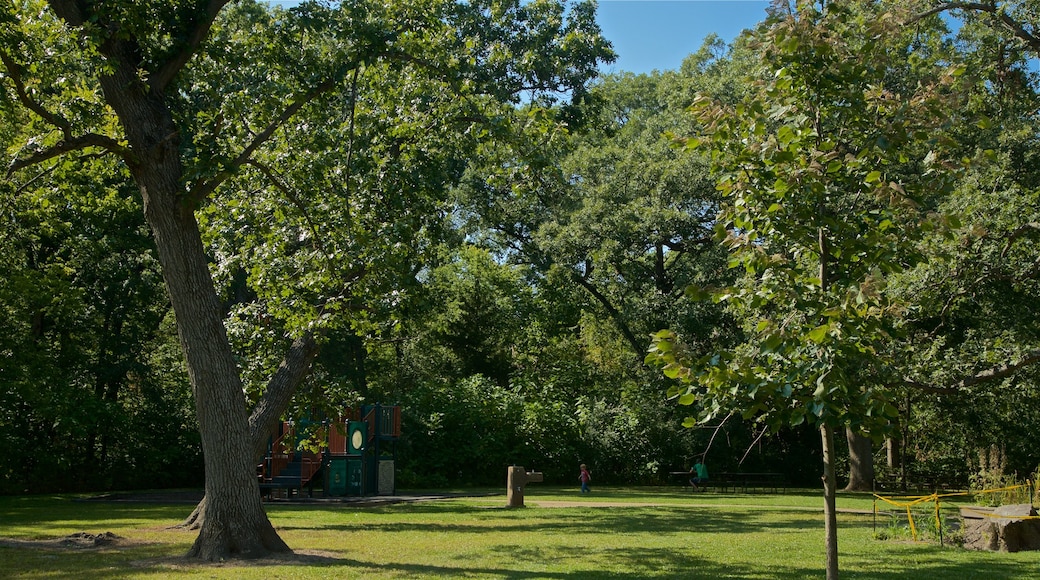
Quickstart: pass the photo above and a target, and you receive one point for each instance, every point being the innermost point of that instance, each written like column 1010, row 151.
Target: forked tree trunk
column 829, row 513
column 235, row 524
column 861, row 461
column 269, row 409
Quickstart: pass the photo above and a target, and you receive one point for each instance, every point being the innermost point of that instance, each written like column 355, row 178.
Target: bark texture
column 269, row 409
column 861, row 462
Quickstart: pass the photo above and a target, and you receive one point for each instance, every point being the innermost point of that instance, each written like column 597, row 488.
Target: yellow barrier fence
column 908, row 502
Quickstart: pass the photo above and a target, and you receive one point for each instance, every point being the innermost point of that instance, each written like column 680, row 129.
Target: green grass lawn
column 612, row 533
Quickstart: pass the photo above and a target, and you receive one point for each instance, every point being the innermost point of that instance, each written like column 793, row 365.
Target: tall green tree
column 130, row 79
column 614, row 209
column 614, row 223
column 972, row 329
column 83, row 311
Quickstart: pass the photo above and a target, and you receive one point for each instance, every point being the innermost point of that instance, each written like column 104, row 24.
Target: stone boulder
column 1008, row 528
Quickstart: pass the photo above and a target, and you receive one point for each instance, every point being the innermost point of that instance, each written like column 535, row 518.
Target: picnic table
column 684, row 480
column 766, row 482
column 738, row 481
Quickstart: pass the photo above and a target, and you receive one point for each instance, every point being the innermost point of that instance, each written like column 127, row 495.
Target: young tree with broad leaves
column 823, row 169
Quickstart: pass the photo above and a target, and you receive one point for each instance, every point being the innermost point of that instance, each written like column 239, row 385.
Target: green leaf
column 819, row 334
column 664, row 345
column 687, row 399
column 772, row 343
column 697, row 293
column 691, row 143
column 833, row 312
column 797, row 417
column 672, row 370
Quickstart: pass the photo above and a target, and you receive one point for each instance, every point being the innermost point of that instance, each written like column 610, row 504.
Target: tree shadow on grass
column 527, row 562
column 635, row 520
column 626, row 563
column 554, row 560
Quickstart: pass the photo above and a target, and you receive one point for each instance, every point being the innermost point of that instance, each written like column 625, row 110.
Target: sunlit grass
column 611, row 533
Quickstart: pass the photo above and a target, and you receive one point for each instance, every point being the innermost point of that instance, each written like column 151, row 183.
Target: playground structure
column 356, row 455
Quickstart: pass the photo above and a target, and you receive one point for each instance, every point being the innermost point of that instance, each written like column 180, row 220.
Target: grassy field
column 627, row 533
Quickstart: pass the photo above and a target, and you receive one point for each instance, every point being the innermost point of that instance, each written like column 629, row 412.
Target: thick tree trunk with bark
column 269, row 409
column 893, row 456
column 234, row 523
column 861, row 462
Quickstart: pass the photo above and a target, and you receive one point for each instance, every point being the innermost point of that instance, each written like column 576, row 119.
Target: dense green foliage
column 93, row 391
column 476, row 232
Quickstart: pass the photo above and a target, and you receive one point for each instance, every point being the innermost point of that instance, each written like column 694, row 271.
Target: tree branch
column 14, row 71
column 207, row 12
column 67, row 146
column 280, row 389
column 280, row 185
column 990, row 374
column 637, row 346
column 68, row 142
column 68, row 10
column 1031, row 227
column 201, row 189
column 1016, row 28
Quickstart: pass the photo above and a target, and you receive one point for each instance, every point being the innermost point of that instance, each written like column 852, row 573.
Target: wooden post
column 516, row 480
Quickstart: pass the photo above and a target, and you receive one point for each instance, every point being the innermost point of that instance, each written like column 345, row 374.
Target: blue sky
column 658, row 34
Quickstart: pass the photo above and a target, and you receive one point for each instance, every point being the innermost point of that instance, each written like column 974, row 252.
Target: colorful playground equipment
column 356, row 455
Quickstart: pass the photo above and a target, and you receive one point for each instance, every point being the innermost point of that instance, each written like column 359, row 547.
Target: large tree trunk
column 270, row 408
column 235, row 524
column 861, row 461
column 830, row 516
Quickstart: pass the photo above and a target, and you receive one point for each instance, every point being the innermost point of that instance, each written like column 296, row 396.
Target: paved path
column 621, row 504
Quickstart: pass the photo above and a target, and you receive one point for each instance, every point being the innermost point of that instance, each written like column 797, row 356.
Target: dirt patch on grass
column 77, row 541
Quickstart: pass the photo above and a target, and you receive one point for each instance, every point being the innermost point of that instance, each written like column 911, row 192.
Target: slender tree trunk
column 893, row 455
column 827, row 433
column 829, row 513
column 861, row 461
